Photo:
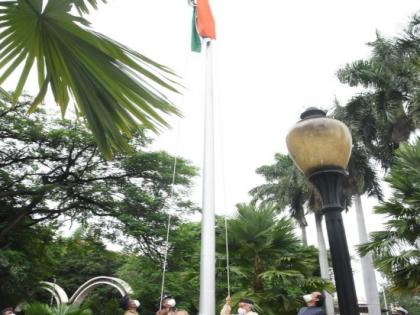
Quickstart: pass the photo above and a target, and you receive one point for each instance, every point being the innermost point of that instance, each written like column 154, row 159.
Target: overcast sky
column 272, row 60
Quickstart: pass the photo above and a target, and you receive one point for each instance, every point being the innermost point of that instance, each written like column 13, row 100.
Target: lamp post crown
column 318, row 141
column 312, row 112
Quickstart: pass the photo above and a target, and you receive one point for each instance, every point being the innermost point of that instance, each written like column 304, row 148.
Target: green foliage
column 396, row 249
column 82, row 6
column 103, row 302
column 285, row 187
column 268, row 263
column 114, row 88
column 51, row 169
column 388, row 111
column 35, row 256
column 43, row 309
column 144, row 274
column 25, row 259
column 82, row 257
column 287, row 268
column 362, row 175
column 410, row 302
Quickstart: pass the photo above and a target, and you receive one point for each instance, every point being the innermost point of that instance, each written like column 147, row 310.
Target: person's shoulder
column 181, row 312
column 301, row 310
column 319, row 311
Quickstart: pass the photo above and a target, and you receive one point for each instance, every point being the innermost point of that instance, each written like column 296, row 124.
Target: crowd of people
column 314, row 306
column 314, row 302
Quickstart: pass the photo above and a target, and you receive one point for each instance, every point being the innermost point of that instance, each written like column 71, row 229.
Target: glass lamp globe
column 318, row 142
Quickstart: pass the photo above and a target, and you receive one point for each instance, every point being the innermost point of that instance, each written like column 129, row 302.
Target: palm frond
column 82, row 6
column 37, row 309
column 395, row 249
column 115, row 89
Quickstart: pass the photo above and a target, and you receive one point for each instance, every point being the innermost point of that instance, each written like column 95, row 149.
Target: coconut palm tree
column 389, row 110
column 285, row 187
column 115, row 90
column 381, row 118
column 362, row 179
column 323, row 261
column 396, row 250
column 314, row 205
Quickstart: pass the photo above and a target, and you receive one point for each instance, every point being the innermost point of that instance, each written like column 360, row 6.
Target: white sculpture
column 78, row 297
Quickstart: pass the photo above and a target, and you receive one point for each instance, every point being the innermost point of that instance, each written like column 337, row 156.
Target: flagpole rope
column 223, row 176
column 168, row 229
column 227, row 256
column 167, row 234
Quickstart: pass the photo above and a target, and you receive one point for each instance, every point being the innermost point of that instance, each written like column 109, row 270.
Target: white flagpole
column 208, row 245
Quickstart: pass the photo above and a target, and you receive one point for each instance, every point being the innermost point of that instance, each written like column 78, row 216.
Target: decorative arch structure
column 60, row 296
column 58, row 293
column 81, row 293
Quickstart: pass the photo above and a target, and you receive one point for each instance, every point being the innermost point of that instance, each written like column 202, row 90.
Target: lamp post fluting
column 321, row 148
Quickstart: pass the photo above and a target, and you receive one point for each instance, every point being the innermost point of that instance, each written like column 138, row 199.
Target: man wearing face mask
column 8, row 311
column 168, row 307
column 130, row 306
column 245, row 307
column 314, row 302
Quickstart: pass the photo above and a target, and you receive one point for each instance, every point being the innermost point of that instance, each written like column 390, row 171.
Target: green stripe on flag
column 195, row 37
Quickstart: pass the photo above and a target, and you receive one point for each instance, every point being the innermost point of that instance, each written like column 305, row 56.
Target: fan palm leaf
column 115, row 89
column 267, row 262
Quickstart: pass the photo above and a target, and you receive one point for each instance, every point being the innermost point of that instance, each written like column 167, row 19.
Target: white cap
column 401, row 309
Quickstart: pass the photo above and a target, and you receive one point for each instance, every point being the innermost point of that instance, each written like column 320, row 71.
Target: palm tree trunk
column 258, row 285
column 304, row 236
column 303, row 224
column 369, row 277
column 323, row 262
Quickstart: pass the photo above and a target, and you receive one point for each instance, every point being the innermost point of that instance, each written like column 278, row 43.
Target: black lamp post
column 321, row 148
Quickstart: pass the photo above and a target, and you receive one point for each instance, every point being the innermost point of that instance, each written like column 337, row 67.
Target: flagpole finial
column 192, row 3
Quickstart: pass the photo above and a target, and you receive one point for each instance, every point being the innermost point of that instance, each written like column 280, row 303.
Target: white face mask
column 241, row 311
column 171, row 302
column 307, row 298
column 136, row 303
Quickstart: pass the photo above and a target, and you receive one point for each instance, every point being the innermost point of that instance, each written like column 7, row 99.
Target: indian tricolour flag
column 203, row 25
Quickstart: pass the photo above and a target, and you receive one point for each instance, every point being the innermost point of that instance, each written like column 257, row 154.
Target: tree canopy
column 52, row 173
column 387, row 111
column 397, row 249
column 52, row 169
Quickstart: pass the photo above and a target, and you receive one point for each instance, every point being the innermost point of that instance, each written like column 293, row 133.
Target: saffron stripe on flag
column 205, row 21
